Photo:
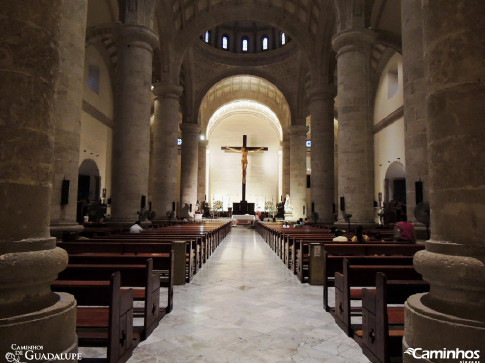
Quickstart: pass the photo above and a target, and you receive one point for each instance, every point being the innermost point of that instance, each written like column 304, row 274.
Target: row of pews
column 371, row 282
column 123, row 283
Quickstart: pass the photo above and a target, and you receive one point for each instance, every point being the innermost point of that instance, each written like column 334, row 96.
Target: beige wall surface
column 389, row 141
column 96, row 123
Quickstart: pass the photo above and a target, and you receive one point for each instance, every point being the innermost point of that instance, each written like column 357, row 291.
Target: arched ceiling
column 248, row 88
column 244, row 107
column 309, row 59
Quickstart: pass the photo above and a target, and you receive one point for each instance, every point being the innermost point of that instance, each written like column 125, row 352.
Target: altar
column 243, row 219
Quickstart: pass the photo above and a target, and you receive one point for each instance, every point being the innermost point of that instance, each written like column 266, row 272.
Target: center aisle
column 244, row 305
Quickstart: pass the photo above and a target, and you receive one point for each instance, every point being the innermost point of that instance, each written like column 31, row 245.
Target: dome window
column 265, row 43
column 225, row 42
column 245, row 44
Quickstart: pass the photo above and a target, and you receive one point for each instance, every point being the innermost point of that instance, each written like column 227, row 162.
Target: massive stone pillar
column 415, row 137
column 201, row 177
column 30, row 314
column 285, row 146
column 298, row 170
column 164, row 163
column 189, row 167
column 454, row 259
column 131, row 133
column 322, row 158
column 355, row 135
column 68, row 109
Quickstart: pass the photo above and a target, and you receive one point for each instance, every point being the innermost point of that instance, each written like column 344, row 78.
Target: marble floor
column 244, row 305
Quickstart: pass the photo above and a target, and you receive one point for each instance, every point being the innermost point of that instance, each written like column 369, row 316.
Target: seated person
column 359, row 237
column 136, row 228
column 286, row 225
column 404, row 231
column 339, row 236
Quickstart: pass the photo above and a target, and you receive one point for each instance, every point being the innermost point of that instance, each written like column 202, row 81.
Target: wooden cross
column 244, row 150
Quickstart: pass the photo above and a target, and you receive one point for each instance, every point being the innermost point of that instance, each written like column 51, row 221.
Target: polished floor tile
column 244, row 305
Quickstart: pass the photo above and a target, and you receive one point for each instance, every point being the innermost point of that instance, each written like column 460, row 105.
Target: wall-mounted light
column 202, row 137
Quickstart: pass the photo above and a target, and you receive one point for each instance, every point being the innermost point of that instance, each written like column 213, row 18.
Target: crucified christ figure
column 244, row 158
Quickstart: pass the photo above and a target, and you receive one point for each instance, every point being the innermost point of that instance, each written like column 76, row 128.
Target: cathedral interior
column 358, row 102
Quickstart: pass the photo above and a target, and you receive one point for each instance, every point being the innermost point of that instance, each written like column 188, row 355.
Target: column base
column 50, row 330
column 429, row 329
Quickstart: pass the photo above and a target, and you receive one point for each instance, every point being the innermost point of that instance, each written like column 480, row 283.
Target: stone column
column 298, row 170
column 164, row 163
column 131, row 133
column 189, row 165
column 30, row 314
column 415, row 137
column 355, row 135
column 454, row 259
column 322, row 154
column 68, row 109
column 285, row 146
column 201, row 178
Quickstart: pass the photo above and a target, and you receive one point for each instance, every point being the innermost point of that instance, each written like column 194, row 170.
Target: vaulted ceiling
column 309, row 59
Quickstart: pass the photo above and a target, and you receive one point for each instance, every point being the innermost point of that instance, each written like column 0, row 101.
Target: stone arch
column 248, row 87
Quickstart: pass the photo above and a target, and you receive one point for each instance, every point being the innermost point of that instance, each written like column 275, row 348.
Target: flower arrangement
column 217, row 206
column 270, row 207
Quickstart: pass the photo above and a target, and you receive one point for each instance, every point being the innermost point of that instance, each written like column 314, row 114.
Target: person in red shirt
column 404, row 231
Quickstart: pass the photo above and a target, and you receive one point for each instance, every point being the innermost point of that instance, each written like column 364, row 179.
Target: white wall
column 225, row 174
column 96, row 137
column 388, row 142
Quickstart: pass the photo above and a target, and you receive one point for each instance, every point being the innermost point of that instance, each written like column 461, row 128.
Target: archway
column 89, row 185
column 264, row 172
column 395, row 183
column 394, row 192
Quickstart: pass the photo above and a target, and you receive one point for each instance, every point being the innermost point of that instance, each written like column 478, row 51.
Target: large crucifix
column 244, row 150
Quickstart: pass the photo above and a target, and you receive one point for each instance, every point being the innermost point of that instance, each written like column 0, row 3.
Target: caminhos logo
column 463, row 356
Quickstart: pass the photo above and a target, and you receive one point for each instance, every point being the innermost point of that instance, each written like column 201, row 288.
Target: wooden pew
column 193, row 252
column 382, row 325
column 104, row 315
column 349, row 283
column 162, row 264
column 351, row 248
column 333, row 263
column 134, row 246
column 145, row 284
